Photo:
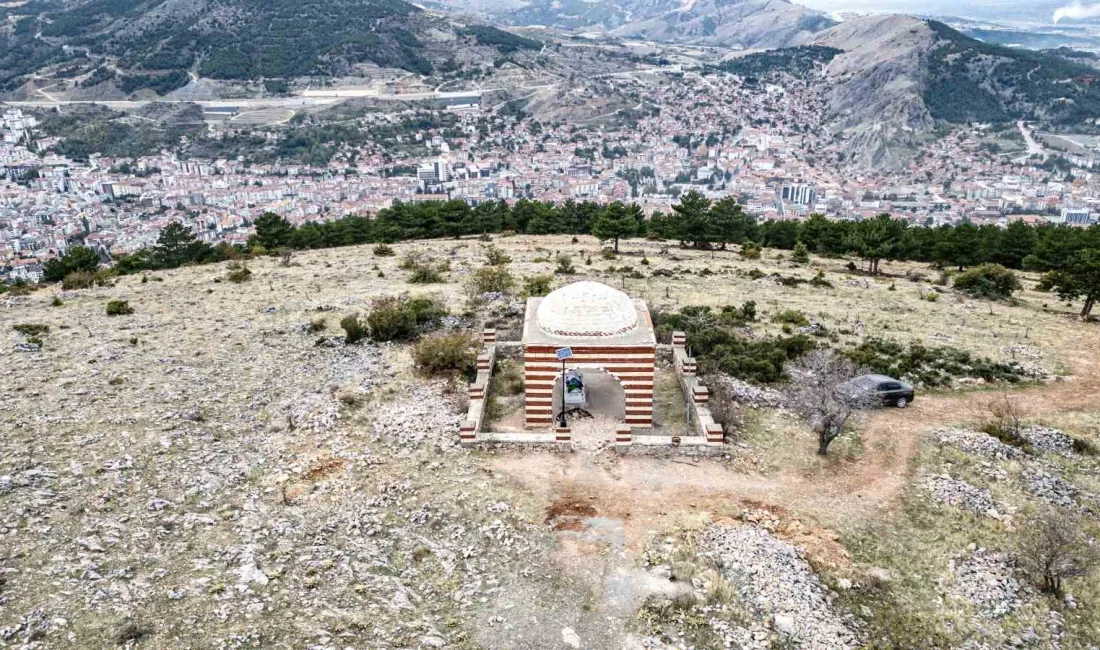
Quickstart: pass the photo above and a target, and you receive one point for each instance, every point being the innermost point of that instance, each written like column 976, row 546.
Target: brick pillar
column 562, row 434
column 700, row 394
column 467, row 431
column 477, row 391
column 715, row 434
column 690, row 367
column 679, row 339
column 484, row 362
column 489, row 336
column 623, row 435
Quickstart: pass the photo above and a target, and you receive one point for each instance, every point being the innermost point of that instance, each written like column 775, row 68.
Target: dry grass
column 215, row 348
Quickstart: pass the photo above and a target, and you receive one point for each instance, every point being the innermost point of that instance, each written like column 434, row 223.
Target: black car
column 888, row 390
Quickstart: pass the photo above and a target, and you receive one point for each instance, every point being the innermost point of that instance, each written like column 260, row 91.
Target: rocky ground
column 219, row 470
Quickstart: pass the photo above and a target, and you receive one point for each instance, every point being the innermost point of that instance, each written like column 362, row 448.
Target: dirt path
column 645, row 491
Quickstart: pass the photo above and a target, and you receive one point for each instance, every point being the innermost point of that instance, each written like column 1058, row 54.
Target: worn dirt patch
column 569, row 513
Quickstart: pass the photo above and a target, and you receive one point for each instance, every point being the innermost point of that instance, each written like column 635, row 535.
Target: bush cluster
column 452, row 354
column 119, row 308
column 990, row 281
column 537, row 285
column 720, row 347
column 791, row 317
column 492, row 279
column 402, row 318
column 930, row 366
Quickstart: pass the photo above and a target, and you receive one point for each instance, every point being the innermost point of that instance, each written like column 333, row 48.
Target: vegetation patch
column 452, row 354
column 931, row 366
column 119, row 308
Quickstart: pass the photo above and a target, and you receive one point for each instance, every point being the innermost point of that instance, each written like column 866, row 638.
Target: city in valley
column 766, row 144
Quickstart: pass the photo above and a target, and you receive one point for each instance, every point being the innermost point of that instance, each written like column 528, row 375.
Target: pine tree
column 692, row 225
column 800, row 254
column 729, row 224
column 1079, row 278
column 614, row 222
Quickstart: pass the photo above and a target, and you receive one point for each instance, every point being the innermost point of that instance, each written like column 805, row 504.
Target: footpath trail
column 642, row 491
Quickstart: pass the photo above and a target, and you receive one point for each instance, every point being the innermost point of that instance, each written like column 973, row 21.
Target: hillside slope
column 732, row 23
column 898, row 75
column 156, row 43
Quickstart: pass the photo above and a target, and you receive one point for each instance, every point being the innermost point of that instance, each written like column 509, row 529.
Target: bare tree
column 1008, row 417
column 813, row 393
column 1053, row 547
column 724, row 407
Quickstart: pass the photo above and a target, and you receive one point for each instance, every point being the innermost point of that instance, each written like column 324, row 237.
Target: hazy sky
column 1008, row 10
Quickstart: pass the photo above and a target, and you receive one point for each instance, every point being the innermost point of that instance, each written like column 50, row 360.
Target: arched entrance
column 606, row 398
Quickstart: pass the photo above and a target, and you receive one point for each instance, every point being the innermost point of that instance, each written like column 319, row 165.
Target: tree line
column 1069, row 255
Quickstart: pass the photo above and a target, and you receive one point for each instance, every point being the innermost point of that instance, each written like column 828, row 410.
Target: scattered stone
column 774, row 579
column 976, row 442
column 1048, row 439
column 420, row 415
column 1051, row 488
column 961, row 494
column 988, row 582
column 570, row 638
column 746, row 393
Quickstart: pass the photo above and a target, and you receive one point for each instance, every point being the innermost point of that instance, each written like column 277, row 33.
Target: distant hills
column 736, row 23
column 156, row 43
column 897, row 75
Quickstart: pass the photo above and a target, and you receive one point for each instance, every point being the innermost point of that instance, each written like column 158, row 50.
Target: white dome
column 587, row 309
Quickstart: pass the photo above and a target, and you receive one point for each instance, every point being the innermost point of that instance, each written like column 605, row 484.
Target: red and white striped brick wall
column 632, row 366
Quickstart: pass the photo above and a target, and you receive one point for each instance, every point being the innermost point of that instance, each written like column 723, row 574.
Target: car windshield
column 867, row 383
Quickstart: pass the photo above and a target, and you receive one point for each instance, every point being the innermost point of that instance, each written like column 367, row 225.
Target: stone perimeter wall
column 704, row 431
column 695, row 392
column 470, row 427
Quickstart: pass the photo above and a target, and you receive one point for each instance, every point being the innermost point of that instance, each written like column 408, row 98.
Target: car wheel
column 902, row 402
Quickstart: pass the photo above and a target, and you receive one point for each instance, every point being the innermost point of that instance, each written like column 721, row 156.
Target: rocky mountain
column 897, row 75
column 731, row 23
column 156, row 43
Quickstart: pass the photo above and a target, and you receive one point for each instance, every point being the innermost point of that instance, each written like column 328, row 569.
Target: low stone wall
column 470, row 427
column 696, row 393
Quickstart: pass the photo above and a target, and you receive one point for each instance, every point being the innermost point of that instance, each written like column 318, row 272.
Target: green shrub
column 492, row 279
column 930, row 296
column 1006, row 435
column 820, row 281
column 564, row 265
column 429, row 312
column 87, row 279
column 791, row 317
column 425, row 274
column 119, row 308
column 452, row 354
column 31, row 329
column 720, row 347
column 607, row 254
column 412, row 261
column 402, row 319
column 990, row 281
column 56, row 302
column 751, row 251
column 1085, row 447
column 800, row 254
column 355, row 329
column 930, row 366
column 238, row 272
column 317, row 325
column 537, row 285
column 758, row 361
column 496, row 257
column 382, row 250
